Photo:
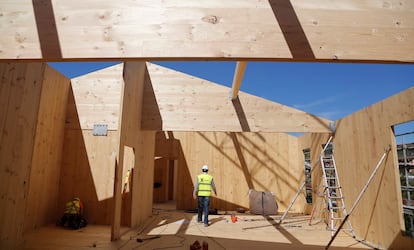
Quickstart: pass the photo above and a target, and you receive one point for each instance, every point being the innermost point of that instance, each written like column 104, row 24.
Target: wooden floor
column 178, row 230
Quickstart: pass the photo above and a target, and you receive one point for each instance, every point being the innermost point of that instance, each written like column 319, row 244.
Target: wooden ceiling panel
column 174, row 101
column 239, row 30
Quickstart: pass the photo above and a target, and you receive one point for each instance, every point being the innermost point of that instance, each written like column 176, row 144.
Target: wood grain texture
column 359, row 143
column 97, row 99
column 20, row 92
column 279, row 30
column 239, row 162
column 43, row 195
column 178, row 102
column 87, row 172
column 143, row 143
column 250, row 232
column 237, row 79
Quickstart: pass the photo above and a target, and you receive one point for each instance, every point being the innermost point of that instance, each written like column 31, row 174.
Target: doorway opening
column 165, row 176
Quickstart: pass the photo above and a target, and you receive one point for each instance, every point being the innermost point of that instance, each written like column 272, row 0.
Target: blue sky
column 330, row 90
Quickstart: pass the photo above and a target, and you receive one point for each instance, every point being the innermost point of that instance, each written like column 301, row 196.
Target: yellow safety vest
column 73, row 207
column 204, row 184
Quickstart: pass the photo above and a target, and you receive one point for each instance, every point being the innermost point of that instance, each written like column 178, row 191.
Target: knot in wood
column 210, row 19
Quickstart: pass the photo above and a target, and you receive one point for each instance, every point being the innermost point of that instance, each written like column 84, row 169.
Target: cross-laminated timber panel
column 239, row 162
column 183, row 29
column 97, row 99
column 32, row 105
column 359, row 142
column 88, row 163
column 87, row 172
column 47, row 152
column 174, row 101
column 103, row 91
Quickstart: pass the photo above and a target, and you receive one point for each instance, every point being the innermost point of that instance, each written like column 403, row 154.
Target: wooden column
column 134, row 75
column 237, row 79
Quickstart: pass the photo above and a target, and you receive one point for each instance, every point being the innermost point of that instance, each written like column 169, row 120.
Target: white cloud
column 319, row 102
column 331, row 115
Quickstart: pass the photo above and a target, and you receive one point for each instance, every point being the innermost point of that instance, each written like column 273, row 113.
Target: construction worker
column 72, row 217
column 202, row 189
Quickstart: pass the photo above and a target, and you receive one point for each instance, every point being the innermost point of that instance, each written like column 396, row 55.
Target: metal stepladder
column 332, row 191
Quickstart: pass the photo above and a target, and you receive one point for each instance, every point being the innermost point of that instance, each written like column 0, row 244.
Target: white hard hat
column 205, row 168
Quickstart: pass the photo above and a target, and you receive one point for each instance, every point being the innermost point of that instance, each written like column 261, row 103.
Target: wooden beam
column 130, row 135
column 238, row 78
column 238, row 30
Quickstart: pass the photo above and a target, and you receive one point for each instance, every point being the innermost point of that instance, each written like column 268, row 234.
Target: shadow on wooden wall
column 88, row 168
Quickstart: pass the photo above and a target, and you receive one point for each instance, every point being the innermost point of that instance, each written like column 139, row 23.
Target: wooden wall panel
column 89, row 161
column 226, row 30
column 360, row 141
column 239, row 162
column 97, row 98
column 43, row 193
column 180, row 102
column 88, row 167
column 128, row 171
column 144, row 176
column 20, row 92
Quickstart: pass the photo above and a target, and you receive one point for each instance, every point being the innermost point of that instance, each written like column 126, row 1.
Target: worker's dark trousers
column 72, row 221
column 203, row 205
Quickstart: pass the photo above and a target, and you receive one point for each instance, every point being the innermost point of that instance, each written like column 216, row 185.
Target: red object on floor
column 233, row 218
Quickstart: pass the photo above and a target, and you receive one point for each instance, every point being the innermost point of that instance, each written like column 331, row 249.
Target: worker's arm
column 195, row 189
column 213, row 186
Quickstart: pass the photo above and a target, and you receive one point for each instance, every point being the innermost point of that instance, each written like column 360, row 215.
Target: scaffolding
column 405, row 152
